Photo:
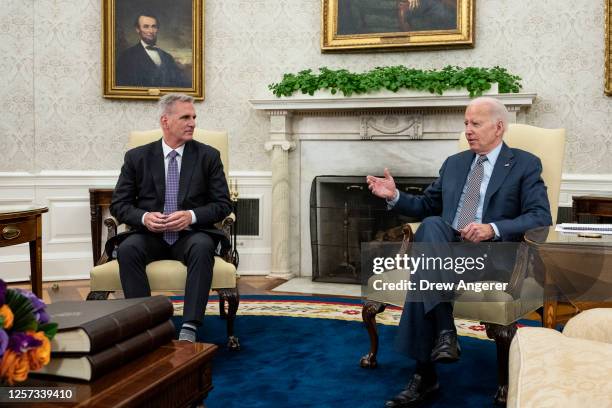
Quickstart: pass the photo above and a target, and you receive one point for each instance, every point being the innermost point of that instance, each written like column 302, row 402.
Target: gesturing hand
column 382, row 187
column 178, row 221
column 155, row 221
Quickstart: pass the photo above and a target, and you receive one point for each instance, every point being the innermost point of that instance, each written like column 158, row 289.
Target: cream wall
column 54, row 118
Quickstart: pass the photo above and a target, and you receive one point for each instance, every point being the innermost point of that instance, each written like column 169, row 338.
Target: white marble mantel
column 335, row 135
column 305, row 103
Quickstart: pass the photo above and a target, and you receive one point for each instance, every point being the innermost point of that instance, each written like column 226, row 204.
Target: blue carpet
column 304, row 362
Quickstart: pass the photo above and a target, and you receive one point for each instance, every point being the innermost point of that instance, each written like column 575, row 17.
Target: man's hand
column 155, row 221
column 382, row 187
column 178, row 221
column 477, row 232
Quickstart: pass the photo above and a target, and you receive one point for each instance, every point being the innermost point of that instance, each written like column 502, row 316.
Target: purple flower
column 21, row 342
column 2, row 292
column 3, row 341
column 39, row 306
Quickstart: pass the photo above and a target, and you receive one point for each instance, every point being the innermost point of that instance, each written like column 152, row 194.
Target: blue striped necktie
column 472, row 194
column 170, row 203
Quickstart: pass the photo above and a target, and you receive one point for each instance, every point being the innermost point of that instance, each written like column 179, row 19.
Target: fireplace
column 311, row 136
column 343, row 215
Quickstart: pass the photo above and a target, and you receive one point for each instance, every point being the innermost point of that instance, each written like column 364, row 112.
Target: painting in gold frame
column 369, row 25
column 152, row 47
column 608, row 45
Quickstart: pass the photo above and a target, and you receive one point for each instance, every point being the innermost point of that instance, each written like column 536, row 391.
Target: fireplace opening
column 344, row 214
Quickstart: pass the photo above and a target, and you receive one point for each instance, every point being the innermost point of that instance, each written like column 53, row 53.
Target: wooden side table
column 576, row 272
column 22, row 224
column 600, row 207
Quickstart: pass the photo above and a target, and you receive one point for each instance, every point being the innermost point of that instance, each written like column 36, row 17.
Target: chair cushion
column 549, row 369
column 165, row 275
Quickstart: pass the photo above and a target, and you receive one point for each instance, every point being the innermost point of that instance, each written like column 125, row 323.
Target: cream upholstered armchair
column 500, row 310
column 169, row 275
column 569, row 369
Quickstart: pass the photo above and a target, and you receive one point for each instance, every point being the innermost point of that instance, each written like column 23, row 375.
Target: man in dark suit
column 488, row 193
column 145, row 64
column 172, row 192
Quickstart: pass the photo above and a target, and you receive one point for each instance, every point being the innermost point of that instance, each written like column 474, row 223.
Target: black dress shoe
column 417, row 391
column 447, row 348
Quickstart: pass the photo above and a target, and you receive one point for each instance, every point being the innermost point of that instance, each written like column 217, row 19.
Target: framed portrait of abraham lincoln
column 152, row 47
column 389, row 25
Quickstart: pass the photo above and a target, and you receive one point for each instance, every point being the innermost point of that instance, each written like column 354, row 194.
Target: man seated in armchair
column 171, row 193
column 489, row 192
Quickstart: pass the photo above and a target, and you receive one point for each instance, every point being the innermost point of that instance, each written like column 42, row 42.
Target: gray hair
column 497, row 109
column 166, row 102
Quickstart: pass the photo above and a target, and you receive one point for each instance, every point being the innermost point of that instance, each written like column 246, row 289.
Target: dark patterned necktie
column 472, row 194
column 170, row 203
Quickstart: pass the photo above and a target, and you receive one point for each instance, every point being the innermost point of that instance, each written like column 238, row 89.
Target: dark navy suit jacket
column 136, row 68
column 142, row 187
column 515, row 200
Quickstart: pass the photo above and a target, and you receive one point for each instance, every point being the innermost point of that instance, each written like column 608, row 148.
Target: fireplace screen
column 344, row 214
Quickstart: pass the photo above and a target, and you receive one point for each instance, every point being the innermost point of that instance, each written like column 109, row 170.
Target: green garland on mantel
column 476, row 80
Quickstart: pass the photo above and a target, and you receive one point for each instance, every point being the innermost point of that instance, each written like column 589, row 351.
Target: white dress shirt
column 167, row 149
column 153, row 54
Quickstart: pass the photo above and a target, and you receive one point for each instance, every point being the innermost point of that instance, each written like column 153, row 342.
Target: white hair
column 166, row 102
column 496, row 108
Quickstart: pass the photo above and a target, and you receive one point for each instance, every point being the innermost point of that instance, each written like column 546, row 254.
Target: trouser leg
column 424, row 316
column 196, row 250
column 133, row 255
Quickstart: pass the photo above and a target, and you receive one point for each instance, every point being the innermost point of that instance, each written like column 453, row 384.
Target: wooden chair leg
column 99, row 295
column 503, row 336
column 232, row 298
column 368, row 313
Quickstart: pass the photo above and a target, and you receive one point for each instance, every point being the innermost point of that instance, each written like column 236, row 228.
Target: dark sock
column 427, row 370
column 443, row 316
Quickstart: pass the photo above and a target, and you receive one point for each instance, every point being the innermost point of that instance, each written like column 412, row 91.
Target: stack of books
column 99, row 336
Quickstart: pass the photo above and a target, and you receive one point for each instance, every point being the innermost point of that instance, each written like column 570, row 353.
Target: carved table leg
column 232, row 298
column 368, row 314
column 503, row 336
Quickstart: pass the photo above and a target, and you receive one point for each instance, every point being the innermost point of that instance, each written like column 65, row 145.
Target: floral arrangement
column 25, row 334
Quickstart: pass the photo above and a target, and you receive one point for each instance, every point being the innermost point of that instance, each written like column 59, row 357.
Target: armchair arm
column 593, row 324
column 111, row 224
column 226, row 224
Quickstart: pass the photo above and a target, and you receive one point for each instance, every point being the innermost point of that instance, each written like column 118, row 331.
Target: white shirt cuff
column 495, row 230
column 142, row 219
column 391, row 203
column 193, row 217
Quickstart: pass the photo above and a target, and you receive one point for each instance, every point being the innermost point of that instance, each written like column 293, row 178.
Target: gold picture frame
column 608, row 49
column 152, row 47
column 389, row 25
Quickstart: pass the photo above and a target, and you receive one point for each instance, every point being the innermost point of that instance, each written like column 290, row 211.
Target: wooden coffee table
column 175, row 375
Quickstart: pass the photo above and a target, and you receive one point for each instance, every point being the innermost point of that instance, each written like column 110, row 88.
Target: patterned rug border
column 319, row 308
